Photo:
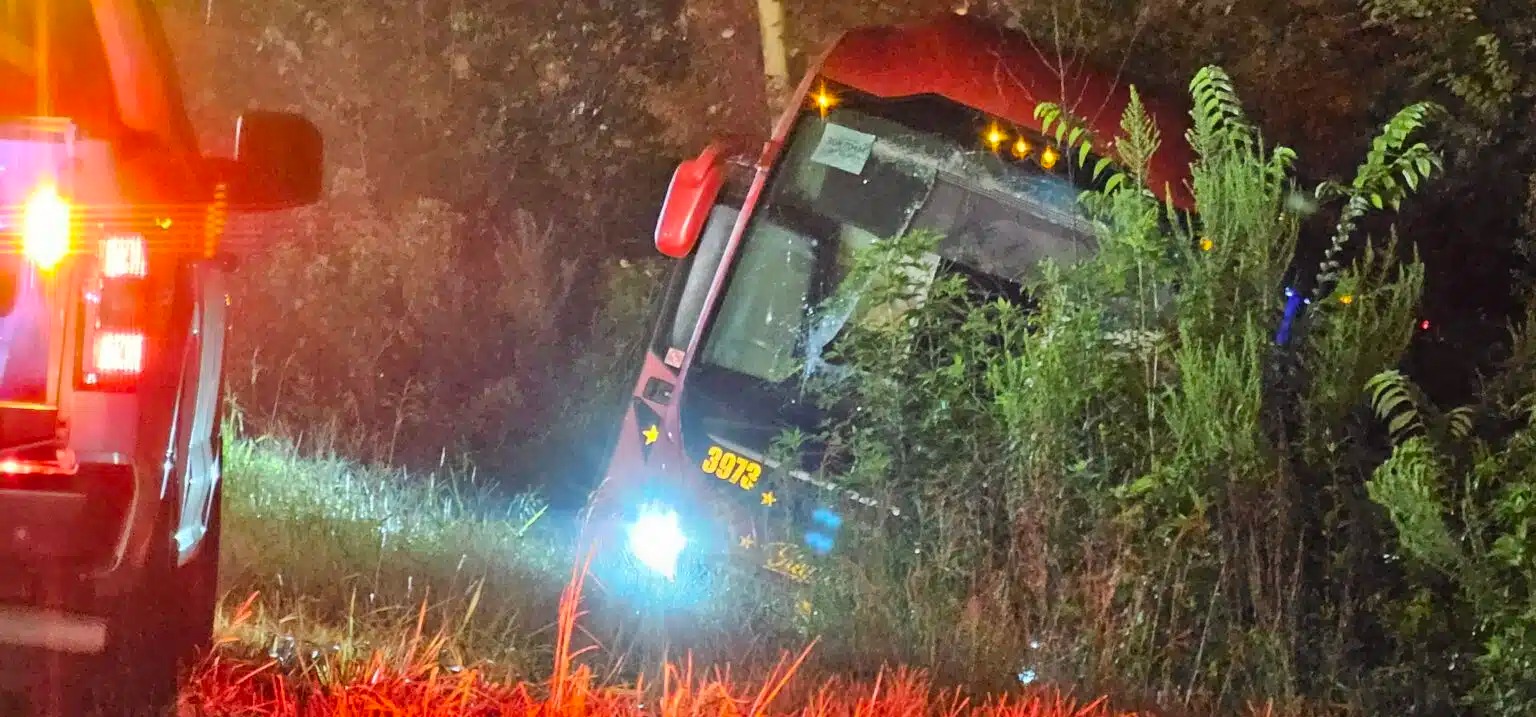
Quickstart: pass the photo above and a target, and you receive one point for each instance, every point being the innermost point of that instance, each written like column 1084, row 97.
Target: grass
column 364, row 591
column 350, row 590
column 324, row 555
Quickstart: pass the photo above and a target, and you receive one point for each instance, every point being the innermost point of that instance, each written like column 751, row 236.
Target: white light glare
column 656, row 539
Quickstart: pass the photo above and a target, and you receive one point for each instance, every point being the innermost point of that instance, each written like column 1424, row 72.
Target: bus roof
column 1002, row 73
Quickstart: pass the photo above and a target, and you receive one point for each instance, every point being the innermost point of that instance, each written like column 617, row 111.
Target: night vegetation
column 1129, row 490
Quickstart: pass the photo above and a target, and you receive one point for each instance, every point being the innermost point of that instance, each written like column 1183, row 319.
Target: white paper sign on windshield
column 844, row 148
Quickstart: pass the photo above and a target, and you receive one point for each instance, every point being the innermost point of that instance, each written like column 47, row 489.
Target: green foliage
column 1132, row 152
column 1366, row 322
column 1458, row 47
column 1140, row 140
column 1392, row 169
column 1098, row 471
column 1464, row 511
column 343, row 562
column 341, row 557
column 1391, row 158
column 1400, row 403
column 1219, row 116
column 1477, row 55
column 1409, row 485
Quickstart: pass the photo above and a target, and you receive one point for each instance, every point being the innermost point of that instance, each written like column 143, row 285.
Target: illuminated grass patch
column 325, row 558
column 339, row 556
column 411, row 677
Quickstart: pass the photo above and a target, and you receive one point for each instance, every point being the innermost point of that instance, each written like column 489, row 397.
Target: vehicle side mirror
column 690, row 195
column 279, row 162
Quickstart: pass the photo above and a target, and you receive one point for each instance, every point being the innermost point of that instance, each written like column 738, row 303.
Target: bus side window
column 704, row 264
column 680, row 309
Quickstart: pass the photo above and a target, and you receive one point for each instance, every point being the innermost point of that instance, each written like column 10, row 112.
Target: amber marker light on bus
column 1048, row 157
column 45, row 228
column 823, row 100
column 995, row 137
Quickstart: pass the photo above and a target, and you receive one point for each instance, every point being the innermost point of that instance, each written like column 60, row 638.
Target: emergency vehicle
column 929, row 126
column 113, row 313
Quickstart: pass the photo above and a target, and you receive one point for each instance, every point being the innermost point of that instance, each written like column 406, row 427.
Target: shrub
column 1460, row 491
column 1128, row 482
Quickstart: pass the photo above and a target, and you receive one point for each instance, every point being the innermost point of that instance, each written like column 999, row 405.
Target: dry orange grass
column 413, row 682
column 223, row 687
column 226, row 688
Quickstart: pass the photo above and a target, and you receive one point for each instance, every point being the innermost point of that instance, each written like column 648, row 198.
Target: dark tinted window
column 52, row 63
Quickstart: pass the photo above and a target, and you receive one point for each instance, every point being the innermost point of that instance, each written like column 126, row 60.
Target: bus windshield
column 870, row 170
column 53, row 63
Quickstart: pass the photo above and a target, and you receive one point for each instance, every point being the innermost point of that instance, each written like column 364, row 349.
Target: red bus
column 927, row 127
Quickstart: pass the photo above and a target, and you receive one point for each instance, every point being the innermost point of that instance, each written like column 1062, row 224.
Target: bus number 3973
column 734, row 469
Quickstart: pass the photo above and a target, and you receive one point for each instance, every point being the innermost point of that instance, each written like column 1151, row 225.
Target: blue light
column 826, row 517
column 1293, row 305
column 656, row 539
column 818, row 543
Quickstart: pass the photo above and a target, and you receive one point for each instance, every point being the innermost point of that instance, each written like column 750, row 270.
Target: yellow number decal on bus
column 713, row 459
column 727, row 464
column 737, row 470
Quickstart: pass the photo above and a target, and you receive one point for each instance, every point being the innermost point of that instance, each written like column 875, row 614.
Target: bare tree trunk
column 770, row 17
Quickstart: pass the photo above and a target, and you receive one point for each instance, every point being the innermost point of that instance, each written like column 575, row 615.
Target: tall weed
column 1114, row 479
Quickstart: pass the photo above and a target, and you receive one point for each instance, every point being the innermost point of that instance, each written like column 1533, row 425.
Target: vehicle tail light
column 112, row 339
column 124, row 257
column 119, row 353
column 45, row 228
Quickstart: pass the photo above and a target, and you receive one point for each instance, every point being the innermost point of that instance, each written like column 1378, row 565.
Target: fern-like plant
column 1399, row 402
column 1392, row 170
column 1463, row 511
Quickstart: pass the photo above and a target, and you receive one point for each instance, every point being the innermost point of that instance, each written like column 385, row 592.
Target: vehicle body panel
column 140, row 176
column 1004, row 74
column 111, row 359
column 143, row 71
column 200, row 381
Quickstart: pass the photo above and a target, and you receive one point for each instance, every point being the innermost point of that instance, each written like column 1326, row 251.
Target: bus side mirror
column 279, row 162
column 690, row 195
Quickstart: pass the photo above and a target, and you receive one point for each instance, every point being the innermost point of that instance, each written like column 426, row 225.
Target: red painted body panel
column 1001, row 72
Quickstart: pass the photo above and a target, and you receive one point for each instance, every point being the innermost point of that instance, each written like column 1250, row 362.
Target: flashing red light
column 16, row 467
column 45, row 228
column 119, row 353
column 123, row 257
column 38, row 474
